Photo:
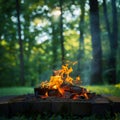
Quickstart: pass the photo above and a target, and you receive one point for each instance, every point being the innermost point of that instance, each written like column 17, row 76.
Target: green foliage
column 62, row 117
column 41, row 40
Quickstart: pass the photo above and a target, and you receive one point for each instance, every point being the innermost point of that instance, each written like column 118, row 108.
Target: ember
column 62, row 85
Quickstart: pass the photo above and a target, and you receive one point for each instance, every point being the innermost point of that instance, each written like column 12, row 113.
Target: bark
column 20, row 44
column 81, row 39
column 106, row 18
column 96, row 70
column 61, row 32
column 114, row 45
column 54, row 47
column 113, row 39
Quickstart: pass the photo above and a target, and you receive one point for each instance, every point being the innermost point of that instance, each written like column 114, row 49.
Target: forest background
column 38, row 36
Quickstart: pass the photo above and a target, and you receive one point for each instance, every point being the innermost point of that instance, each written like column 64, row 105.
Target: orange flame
column 45, row 96
column 61, row 91
column 59, row 77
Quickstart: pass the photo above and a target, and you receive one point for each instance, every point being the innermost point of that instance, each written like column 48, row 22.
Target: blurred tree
column 8, row 44
column 41, row 34
column 81, row 38
column 113, row 39
column 55, row 44
column 32, row 15
column 96, row 75
column 20, row 44
column 61, row 32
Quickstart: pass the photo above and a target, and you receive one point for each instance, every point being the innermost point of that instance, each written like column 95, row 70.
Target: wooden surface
column 29, row 104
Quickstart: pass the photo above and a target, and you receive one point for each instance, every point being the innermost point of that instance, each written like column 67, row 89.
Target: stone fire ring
column 29, row 104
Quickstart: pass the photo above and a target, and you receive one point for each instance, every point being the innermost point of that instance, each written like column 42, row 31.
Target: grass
column 103, row 89
column 16, row 91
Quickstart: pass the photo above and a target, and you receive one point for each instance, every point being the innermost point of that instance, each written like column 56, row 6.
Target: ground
column 103, row 89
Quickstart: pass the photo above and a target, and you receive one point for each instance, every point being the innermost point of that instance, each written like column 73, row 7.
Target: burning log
column 61, row 85
column 40, row 91
column 65, row 91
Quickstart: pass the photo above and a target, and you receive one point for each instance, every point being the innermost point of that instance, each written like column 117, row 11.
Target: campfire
column 62, row 85
column 60, row 95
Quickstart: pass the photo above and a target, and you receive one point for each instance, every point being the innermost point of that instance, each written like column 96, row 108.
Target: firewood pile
column 70, row 91
column 62, row 85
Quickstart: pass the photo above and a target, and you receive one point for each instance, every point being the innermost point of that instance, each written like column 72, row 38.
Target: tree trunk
column 96, row 70
column 106, row 19
column 113, row 39
column 54, row 46
column 61, row 32
column 113, row 45
column 20, row 44
column 81, row 39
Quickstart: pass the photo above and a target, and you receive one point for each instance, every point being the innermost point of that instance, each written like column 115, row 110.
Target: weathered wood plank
column 61, row 107
column 17, row 108
column 40, row 107
column 101, row 106
column 115, row 103
column 80, row 108
column 4, row 109
column 10, row 106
